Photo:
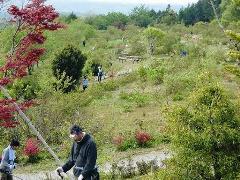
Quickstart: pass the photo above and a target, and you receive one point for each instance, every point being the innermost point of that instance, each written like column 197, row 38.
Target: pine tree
column 70, row 61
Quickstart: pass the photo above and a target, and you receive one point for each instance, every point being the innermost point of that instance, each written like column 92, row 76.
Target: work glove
column 60, row 172
column 11, row 167
column 80, row 177
column 59, row 169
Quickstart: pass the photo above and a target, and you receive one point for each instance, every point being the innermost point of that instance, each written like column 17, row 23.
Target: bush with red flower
column 142, row 138
column 31, row 150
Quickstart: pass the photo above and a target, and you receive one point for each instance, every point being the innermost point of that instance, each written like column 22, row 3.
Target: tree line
column 142, row 16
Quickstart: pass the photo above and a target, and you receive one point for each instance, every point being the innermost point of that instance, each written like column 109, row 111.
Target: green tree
column 26, row 89
column 71, row 17
column 200, row 11
column 89, row 32
column 235, row 37
column 154, row 37
column 153, row 14
column 231, row 11
column 169, row 16
column 235, row 50
column 188, row 15
column 70, row 62
column 117, row 19
column 141, row 16
column 205, row 136
column 100, row 22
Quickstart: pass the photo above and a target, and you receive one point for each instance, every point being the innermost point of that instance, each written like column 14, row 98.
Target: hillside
column 133, row 97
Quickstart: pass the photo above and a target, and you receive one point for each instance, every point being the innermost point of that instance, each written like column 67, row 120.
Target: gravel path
column 157, row 156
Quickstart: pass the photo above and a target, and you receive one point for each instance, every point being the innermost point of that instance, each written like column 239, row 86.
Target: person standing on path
column 85, row 83
column 7, row 163
column 100, row 73
column 84, row 43
column 83, row 156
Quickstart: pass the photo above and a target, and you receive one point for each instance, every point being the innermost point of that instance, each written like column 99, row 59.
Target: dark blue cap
column 75, row 129
column 15, row 143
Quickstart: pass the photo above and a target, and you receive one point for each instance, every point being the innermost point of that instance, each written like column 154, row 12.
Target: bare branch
column 216, row 15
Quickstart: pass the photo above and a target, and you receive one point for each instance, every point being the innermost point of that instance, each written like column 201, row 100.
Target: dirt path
column 157, row 156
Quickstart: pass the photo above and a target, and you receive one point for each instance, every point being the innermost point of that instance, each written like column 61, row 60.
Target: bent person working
column 83, row 156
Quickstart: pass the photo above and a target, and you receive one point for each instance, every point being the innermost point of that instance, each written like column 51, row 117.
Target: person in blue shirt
column 100, row 73
column 85, row 83
column 7, row 163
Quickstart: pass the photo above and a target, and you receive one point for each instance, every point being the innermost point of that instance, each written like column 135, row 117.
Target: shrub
column 26, row 89
column 156, row 75
column 142, row 138
column 110, row 85
column 137, row 48
column 128, row 144
column 154, row 37
column 205, row 136
column 169, row 44
column 70, row 61
column 233, row 69
column 142, row 72
column 197, row 50
column 31, row 150
column 118, row 141
column 137, row 45
column 180, row 83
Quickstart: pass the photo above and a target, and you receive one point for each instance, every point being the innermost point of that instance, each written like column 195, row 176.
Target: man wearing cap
column 7, row 163
column 83, row 156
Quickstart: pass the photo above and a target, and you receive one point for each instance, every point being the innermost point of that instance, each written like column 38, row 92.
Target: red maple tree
column 32, row 20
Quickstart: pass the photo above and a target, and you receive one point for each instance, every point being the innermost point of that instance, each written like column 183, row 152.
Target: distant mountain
column 85, row 8
column 4, row 19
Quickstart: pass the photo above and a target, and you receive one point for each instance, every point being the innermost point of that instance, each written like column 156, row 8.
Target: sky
column 104, row 6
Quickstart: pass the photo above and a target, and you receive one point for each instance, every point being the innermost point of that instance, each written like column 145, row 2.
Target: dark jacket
column 83, row 157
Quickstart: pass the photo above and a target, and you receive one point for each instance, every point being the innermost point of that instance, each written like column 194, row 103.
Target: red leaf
column 34, row 19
